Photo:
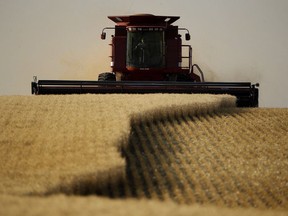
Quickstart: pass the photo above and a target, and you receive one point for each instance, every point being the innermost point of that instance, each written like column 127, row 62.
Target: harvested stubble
column 177, row 149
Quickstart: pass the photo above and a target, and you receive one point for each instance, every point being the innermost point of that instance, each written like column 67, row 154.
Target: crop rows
column 185, row 153
column 226, row 159
column 69, row 143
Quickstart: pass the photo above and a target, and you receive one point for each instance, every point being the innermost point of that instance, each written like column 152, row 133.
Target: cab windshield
column 145, row 48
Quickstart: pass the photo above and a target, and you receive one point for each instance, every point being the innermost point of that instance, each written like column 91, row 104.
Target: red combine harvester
column 148, row 57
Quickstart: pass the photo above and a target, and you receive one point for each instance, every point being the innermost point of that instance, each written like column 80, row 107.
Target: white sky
column 233, row 40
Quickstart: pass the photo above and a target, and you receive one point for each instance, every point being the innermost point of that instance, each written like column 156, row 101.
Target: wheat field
column 144, row 154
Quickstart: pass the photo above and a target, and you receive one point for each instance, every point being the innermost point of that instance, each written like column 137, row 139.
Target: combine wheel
column 106, row 77
column 183, row 78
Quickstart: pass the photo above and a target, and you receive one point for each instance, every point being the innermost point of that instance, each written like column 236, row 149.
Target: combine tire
column 183, row 78
column 107, row 77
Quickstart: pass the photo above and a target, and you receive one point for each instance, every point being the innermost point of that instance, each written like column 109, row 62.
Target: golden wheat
column 52, row 140
column 226, row 159
column 188, row 149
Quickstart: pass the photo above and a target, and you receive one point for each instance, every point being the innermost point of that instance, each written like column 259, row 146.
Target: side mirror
column 187, row 36
column 103, row 35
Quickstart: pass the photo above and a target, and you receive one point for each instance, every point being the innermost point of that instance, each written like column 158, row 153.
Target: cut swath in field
column 224, row 159
column 221, row 158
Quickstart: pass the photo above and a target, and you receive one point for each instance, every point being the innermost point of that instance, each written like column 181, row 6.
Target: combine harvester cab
column 148, row 57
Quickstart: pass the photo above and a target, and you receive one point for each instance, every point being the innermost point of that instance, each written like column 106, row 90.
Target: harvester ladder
column 191, row 66
column 189, row 57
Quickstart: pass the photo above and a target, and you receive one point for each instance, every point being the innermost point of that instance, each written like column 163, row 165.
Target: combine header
column 148, row 57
